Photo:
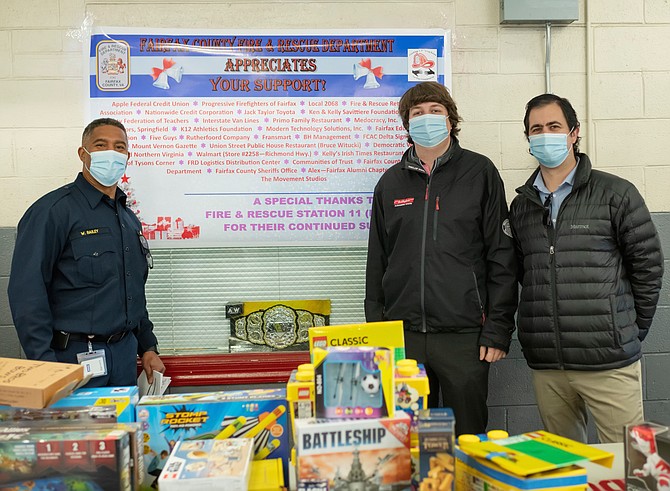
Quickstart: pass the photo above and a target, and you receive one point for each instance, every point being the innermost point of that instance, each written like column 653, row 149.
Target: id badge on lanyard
column 94, row 362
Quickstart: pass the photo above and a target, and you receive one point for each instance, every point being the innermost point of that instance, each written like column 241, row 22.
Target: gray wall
column 511, row 399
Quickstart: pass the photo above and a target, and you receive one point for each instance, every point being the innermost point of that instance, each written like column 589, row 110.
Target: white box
column 200, row 465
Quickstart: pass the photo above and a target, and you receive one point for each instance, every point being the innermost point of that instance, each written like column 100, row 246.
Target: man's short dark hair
column 568, row 112
column 428, row 92
column 101, row 122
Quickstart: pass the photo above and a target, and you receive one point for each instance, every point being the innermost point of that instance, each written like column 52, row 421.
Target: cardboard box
column 647, row 462
column 260, row 414
column 123, row 398
column 388, row 334
column 208, row 465
column 36, row 384
column 348, row 454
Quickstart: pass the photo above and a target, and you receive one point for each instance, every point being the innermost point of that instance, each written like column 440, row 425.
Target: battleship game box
column 200, row 465
column 339, row 455
column 260, row 414
column 95, row 460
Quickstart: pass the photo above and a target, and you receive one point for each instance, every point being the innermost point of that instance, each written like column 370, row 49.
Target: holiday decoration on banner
column 170, row 69
column 364, row 69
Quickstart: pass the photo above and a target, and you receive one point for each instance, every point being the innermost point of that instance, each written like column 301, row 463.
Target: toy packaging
column 435, row 429
column 134, row 430
column 353, row 382
column 411, row 391
column 536, row 460
column 537, row 451
column 123, row 398
column 388, row 334
column 478, row 473
column 300, row 394
column 647, row 457
column 365, row 454
column 200, row 465
column 102, row 414
column 259, row 414
column 266, row 475
column 97, row 459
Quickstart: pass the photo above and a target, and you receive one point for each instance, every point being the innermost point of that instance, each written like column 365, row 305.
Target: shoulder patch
column 507, row 228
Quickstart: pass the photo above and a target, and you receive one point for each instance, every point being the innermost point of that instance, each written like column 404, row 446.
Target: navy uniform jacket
column 78, row 267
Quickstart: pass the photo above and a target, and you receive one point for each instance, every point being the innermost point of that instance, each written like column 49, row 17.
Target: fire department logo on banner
column 113, row 65
column 421, row 65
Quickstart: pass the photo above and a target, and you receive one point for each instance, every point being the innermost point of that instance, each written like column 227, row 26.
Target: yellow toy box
column 384, row 334
column 300, row 393
column 411, row 391
column 537, row 461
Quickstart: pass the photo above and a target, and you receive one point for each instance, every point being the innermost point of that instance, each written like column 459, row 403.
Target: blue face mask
column 429, row 130
column 107, row 166
column 550, row 149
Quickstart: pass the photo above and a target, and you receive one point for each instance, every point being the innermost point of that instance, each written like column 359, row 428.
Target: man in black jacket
column 591, row 267
column 441, row 257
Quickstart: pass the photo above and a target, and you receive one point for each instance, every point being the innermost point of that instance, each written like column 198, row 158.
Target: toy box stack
column 70, row 421
column 36, row 458
column 357, row 439
column 537, row 461
column 647, row 457
column 259, row 414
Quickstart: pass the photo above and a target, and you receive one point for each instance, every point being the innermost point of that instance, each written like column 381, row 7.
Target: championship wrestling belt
column 280, row 325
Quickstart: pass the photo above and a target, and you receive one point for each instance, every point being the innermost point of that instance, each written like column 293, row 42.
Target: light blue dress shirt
column 558, row 196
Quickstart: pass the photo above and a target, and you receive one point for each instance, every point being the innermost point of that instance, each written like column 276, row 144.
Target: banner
column 259, row 138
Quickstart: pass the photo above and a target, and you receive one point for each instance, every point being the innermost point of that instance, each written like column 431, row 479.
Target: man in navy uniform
column 76, row 287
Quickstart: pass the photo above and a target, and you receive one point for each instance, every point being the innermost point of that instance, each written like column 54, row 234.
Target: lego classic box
column 647, row 462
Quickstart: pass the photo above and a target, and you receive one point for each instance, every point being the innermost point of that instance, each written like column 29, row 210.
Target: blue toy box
column 123, row 398
column 259, row 414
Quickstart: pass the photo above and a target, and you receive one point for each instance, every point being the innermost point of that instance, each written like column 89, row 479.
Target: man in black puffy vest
column 591, row 267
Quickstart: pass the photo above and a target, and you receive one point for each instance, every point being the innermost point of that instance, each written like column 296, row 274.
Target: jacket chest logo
column 403, row 202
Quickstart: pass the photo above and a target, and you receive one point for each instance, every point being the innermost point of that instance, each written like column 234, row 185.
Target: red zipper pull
column 426, row 197
column 437, row 204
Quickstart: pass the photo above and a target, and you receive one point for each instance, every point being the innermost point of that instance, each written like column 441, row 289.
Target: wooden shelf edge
column 232, row 368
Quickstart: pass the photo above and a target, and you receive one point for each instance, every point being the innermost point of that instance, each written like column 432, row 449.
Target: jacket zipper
column 437, row 209
column 551, row 234
column 479, row 298
column 422, row 287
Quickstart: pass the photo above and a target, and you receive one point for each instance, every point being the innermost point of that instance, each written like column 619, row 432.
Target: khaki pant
column 613, row 397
